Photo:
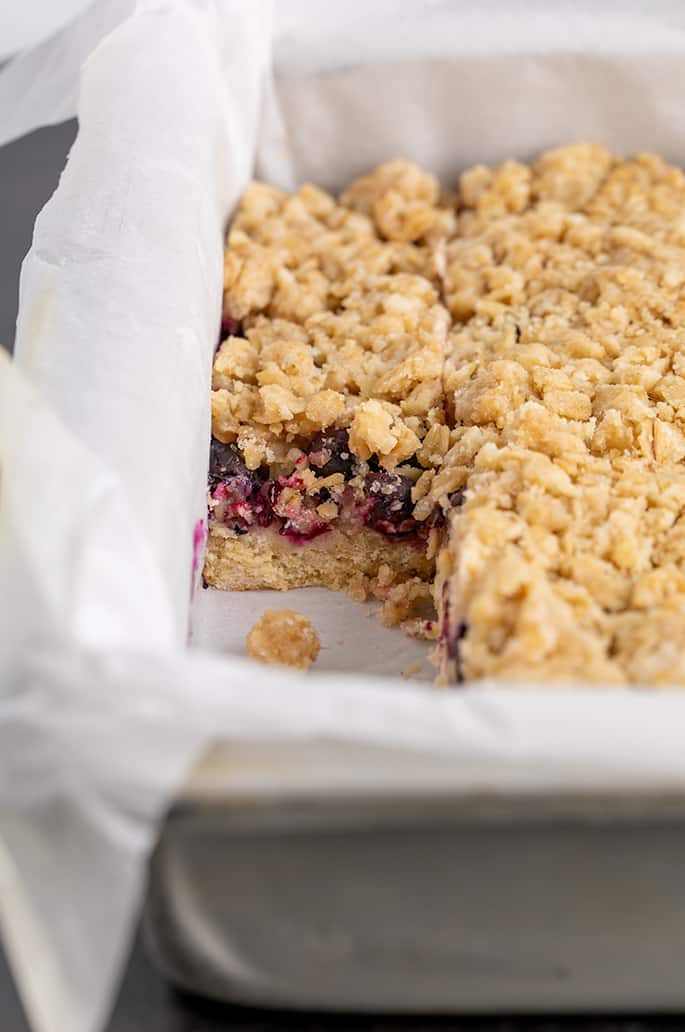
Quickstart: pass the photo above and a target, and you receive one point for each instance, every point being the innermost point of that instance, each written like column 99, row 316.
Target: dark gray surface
column 147, row 1005
column 29, row 171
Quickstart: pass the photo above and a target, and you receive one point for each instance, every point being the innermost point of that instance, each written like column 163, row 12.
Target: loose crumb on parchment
column 411, row 671
column 283, row 637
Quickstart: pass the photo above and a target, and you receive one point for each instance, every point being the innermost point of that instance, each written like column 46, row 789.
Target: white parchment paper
column 104, row 424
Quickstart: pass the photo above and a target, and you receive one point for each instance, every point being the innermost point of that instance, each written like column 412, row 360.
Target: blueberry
column 225, row 461
column 330, row 453
column 456, row 498
column 230, row 327
column 226, row 466
column 389, row 502
column 391, row 494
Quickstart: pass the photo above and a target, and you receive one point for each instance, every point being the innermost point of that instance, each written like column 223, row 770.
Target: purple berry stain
column 199, row 542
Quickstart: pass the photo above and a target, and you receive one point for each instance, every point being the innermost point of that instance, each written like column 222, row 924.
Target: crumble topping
column 283, row 637
column 498, row 376
column 565, row 375
column 334, row 317
column 404, row 202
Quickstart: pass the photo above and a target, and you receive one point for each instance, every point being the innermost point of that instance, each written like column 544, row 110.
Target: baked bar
column 327, row 386
column 494, row 379
column 567, row 354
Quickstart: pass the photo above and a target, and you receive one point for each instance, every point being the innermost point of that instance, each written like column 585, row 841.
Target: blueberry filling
column 234, row 490
column 297, row 510
column 227, row 468
column 389, row 506
column 452, row 637
column 330, row 453
column 413, row 462
column 241, row 498
column 230, row 327
column 225, row 462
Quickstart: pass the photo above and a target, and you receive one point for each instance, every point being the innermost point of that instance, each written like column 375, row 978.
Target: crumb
column 405, row 602
column 417, row 627
column 284, row 637
column 411, row 670
column 358, row 588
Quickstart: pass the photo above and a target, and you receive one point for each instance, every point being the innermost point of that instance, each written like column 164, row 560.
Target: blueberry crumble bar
column 473, row 400
column 327, row 387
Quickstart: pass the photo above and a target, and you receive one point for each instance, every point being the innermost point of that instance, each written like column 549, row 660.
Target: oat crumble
column 283, row 637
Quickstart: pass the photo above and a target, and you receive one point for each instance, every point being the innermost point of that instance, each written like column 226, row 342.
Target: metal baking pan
column 423, row 901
